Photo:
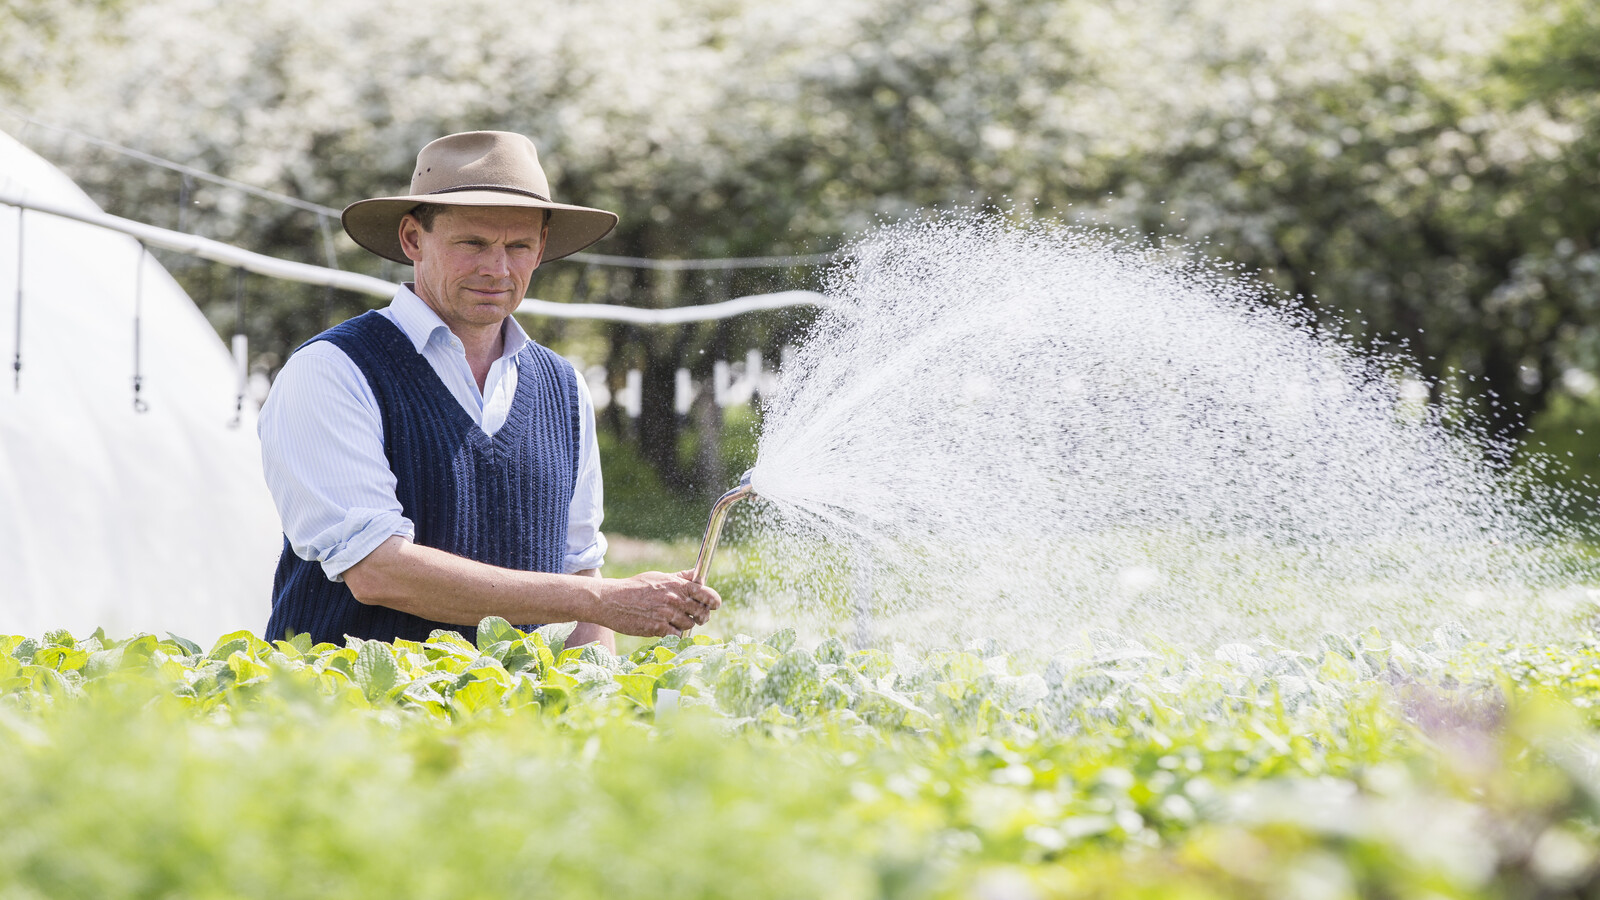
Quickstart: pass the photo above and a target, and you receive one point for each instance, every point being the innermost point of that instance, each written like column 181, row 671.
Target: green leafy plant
column 743, row 767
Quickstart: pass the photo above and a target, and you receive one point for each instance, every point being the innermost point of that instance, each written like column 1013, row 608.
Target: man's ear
column 410, row 237
column 544, row 239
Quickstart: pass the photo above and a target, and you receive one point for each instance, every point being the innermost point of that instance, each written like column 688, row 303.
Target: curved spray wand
column 719, row 512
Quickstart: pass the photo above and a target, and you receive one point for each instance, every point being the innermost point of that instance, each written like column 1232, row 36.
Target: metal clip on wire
column 139, row 405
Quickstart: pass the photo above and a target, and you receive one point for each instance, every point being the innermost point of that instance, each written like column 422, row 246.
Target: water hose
column 719, row 512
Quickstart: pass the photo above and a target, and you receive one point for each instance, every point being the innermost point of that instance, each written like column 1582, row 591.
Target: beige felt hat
column 476, row 168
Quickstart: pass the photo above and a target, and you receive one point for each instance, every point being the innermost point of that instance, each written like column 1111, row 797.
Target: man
column 431, row 464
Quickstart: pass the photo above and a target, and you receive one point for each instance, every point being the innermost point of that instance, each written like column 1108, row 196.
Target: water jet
column 1032, row 433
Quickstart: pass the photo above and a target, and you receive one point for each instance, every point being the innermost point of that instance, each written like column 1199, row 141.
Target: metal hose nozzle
column 719, row 512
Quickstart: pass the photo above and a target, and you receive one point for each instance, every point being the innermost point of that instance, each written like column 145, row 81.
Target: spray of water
column 1033, row 434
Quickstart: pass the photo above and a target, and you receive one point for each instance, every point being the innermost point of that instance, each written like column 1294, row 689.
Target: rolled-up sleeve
column 586, row 545
column 322, row 454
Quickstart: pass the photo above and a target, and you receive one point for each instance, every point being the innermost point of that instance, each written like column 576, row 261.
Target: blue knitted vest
column 501, row 500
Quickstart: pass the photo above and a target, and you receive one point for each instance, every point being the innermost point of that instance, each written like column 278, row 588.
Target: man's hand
column 655, row 604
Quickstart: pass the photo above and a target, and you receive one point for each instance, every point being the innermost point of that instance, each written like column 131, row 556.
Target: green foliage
column 637, row 504
column 740, row 768
column 1418, row 175
column 1556, row 52
column 40, row 34
column 1406, row 167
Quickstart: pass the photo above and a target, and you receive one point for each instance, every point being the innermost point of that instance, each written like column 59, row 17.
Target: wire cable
column 191, row 171
column 728, row 262
column 289, row 270
column 327, row 212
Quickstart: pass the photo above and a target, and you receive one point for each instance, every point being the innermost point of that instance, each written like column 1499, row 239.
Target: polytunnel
column 136, row 517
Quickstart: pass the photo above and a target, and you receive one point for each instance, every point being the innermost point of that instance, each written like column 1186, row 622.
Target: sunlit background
column 1339, row 699
column 1423, row 176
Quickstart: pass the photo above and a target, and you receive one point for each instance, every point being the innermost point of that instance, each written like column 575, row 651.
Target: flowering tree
column 1420, row 173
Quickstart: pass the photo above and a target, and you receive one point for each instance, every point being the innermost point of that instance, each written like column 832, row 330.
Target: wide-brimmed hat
column 476, row 168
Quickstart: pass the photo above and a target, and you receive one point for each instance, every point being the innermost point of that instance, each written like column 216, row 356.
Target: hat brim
column 375, row 223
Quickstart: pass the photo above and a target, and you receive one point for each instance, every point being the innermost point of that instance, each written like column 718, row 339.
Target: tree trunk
column 707, row 415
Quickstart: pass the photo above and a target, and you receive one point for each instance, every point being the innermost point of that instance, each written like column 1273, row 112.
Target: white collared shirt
column 322, row 444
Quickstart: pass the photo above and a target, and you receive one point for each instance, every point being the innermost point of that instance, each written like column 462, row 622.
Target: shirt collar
column 420, row 323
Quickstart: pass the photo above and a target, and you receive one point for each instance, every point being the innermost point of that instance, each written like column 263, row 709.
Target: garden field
column 702, row 767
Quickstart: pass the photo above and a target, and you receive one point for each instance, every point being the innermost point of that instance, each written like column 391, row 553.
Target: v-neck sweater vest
column 500, row 499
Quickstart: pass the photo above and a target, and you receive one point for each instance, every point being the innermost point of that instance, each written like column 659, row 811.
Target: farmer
column 431, row 464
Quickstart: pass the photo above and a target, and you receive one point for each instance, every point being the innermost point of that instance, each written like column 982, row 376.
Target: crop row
column 709, row 768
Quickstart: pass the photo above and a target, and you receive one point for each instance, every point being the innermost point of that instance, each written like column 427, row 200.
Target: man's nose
column 495, row 261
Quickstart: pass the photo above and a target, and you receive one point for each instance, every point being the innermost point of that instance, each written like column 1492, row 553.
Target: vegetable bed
column 745, row 768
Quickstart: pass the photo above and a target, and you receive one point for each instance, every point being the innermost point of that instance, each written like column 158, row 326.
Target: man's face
column 473, row 268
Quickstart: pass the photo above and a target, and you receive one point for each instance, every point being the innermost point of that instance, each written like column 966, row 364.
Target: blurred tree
column 623, row 99
column 1452, row 218
column 1420, row 175
column 41, row 39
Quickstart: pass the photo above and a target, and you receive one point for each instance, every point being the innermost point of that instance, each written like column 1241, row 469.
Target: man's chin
column 491, row 309
column 489, row 315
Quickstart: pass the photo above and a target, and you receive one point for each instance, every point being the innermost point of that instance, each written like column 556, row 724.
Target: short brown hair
column 426, row 213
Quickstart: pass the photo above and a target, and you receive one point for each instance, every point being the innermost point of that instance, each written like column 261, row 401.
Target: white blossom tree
column 1421, row 172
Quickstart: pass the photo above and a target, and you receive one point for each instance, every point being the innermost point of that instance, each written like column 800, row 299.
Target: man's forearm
column 589, row 632
column 455, row 590
column 441, row 586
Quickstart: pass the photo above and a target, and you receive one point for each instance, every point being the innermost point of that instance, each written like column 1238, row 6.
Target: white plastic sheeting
column 155, row 521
